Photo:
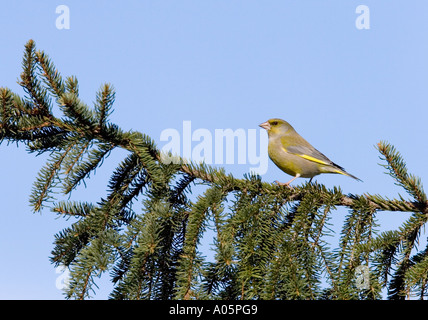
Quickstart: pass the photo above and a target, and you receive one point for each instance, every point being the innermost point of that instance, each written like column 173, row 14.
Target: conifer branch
column 103, row 105
column 51, row 76
column 270, row 242
column 397, row 169
column 31, row 84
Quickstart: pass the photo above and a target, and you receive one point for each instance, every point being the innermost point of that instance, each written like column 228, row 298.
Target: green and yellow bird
column 294, row 155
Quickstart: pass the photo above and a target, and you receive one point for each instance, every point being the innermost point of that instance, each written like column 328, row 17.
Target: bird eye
column 274, row 123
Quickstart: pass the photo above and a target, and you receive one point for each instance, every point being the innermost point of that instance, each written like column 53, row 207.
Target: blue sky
column 221, row 64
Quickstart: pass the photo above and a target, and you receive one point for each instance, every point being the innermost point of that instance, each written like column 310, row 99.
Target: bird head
column 276, row 126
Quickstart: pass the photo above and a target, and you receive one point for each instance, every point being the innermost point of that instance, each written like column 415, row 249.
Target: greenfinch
column 294, row 155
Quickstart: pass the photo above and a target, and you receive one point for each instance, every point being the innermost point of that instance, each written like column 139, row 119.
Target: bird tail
column 342, row 171
column 338, row 169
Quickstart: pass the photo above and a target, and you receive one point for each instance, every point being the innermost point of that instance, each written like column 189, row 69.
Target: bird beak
column 265, row 125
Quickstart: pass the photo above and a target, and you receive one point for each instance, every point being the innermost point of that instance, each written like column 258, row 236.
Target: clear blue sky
column 221, row 64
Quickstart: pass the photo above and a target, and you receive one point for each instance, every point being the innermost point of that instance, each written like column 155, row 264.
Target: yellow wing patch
column 307, row 157
column 304, row 156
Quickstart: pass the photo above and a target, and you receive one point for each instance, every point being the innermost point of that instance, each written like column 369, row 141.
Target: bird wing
column 311, row 154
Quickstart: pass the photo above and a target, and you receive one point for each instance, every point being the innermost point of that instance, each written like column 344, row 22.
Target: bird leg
column 287, row 183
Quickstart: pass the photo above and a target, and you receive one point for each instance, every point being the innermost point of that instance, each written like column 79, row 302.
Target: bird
column 294, row 155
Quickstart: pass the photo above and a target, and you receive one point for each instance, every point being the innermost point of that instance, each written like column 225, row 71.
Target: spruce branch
column 270, row 242
column 45, row 182
column 51, row 77
column 397, row 169
column 29, row 81
column 103, row 104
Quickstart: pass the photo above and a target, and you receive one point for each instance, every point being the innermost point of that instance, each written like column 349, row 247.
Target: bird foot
column 287, row 184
